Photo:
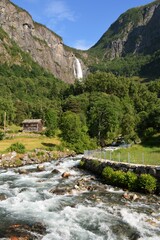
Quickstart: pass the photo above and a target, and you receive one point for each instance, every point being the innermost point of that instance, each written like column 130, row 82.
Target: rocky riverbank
column 13, row 159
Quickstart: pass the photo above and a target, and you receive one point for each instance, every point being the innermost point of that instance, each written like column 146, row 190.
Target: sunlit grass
column 136, row 154
column 30, row 142
column 139, row 155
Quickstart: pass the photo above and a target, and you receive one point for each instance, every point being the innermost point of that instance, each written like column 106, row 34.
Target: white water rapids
column 98, row 212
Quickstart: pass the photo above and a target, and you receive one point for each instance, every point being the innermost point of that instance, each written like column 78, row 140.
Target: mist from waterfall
column 78, row 73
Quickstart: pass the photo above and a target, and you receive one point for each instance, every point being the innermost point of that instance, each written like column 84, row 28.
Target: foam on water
column 78, row 223
column 141, row 222
column 74, row 215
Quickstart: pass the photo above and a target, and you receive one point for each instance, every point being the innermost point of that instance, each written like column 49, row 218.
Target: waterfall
column 78, row 73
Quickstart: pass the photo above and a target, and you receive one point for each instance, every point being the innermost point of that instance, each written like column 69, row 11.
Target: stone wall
column 97, row 165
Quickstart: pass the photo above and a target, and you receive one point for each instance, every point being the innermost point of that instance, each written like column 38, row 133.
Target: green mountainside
column 135, row 31
column 131, row 45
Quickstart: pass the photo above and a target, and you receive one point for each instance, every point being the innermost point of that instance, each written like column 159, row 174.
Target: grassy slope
column 138, row 154
column 147, row 153
column 30, row 141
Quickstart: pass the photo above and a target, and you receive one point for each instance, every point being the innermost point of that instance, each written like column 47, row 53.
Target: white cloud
column 59, row 11
column 82, row 44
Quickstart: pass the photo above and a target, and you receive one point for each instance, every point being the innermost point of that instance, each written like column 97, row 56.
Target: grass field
column 136, row 154
column 139, row 155
column 30, row 141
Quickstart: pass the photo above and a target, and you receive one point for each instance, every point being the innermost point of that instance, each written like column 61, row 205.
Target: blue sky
column 80, row 23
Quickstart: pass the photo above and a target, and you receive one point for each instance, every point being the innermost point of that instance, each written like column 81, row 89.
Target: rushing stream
column 75, row 208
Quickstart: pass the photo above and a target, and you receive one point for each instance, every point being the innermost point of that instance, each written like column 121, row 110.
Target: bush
column 131, row 181
column 2, row 135
column 108, row 174
column 95, row 163
column 17, row 147
column 39, row 154
column 119, row 178
column 147, row 183
column 50, row 133
column 116, row 178
column 18, row 162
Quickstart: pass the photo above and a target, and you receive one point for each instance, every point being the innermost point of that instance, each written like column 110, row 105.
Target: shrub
column 18, row 162
column 17, row 147
column 131, row 181
column 147, row 183
column 119, row 178
column 50, row 133
column 95, row 163
column 2, row 135
column 108, row 174
column 39, row 154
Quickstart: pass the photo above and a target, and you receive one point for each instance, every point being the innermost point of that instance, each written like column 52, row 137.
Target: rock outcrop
column 45, row 47
column 135, row 32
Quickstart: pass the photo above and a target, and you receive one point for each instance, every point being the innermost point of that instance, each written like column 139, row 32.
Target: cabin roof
column 32, row 121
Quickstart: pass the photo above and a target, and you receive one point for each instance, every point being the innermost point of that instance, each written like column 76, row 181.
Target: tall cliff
column 45, row 47
column 136, row 31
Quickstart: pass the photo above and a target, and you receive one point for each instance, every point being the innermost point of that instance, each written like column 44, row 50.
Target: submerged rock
column 58, row 191
column 22, row 171
column 25, row 232
column 55, row 171
column 135, row 236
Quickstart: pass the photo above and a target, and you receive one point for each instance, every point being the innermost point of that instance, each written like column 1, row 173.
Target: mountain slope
column 45, row 47
column 135, row 32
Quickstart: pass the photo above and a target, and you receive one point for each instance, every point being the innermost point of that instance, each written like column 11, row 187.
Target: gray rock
column 22, row 171
column 40, row 167
column 45, row 46
column 2, row 197
column 55, row 171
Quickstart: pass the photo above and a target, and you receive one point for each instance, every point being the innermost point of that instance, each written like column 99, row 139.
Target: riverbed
column 77, row 207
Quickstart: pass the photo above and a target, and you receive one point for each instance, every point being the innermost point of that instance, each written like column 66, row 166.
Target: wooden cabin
column 32, row 125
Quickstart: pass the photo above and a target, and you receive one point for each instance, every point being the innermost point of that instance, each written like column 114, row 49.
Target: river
column 75, row 208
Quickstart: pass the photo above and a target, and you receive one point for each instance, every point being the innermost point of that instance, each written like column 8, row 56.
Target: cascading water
column 78, row 73
column 78, row 207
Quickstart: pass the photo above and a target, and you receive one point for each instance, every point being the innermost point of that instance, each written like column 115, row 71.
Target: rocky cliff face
column 136, row 31
column 45, row 47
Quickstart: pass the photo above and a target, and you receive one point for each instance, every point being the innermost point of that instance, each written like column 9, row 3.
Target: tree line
column 89, row 113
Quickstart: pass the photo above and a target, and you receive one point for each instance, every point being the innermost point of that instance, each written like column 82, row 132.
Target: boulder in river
column 40, row 167
column 66, row 174
column 58, row 191
column 130, row 196
column 25, row 231
column 2, row 197
column 55, row 171
column 22, row 171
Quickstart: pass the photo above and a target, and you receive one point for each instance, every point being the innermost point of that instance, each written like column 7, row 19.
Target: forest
column 90, row 113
